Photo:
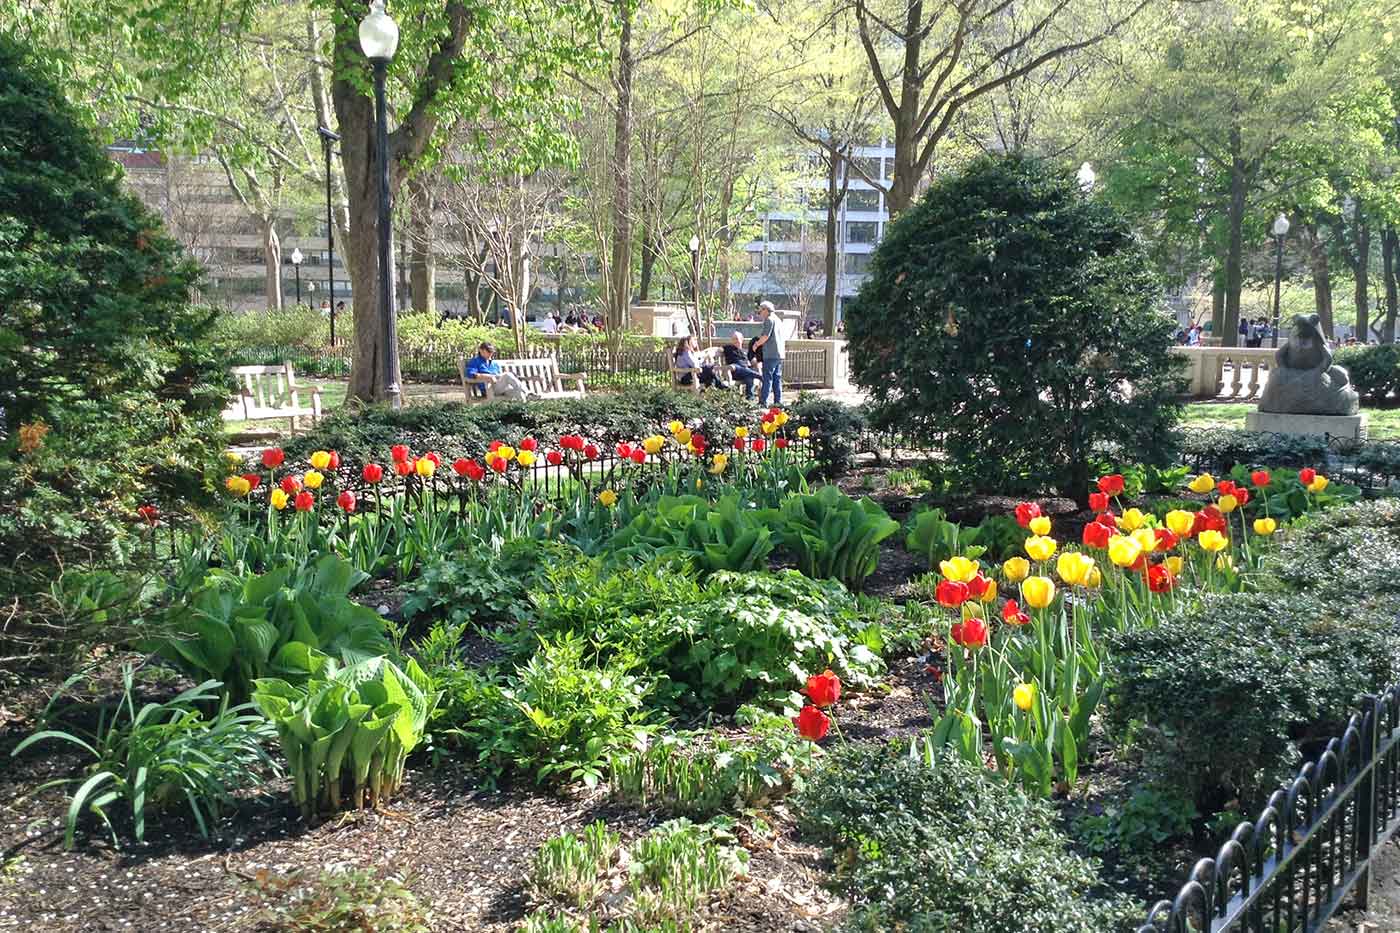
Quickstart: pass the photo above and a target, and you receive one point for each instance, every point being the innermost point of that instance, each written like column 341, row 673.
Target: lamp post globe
column 379, row 39
column 695, row 276
column 296, row 264
column 1086, row 177
column 1280, row 230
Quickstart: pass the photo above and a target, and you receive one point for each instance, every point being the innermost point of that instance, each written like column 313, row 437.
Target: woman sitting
column 685, row 359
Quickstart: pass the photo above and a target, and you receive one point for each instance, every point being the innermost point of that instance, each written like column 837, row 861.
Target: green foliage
column 1138, row 827
column 1220, row 450
column 833, row 535
column 483, row 586
column 837, row 429
column 347, row 733
column 1347, row 556
column 568, row 868
column 723, row 535
column 1002, row 320
column 1002, row 537
column 97, row 340
column 342, row 902
column 280, row 623
column 677, row 866
column 161, row 754
column 934, row 538
column 1216, row 693
column 1374, row 370
column 949, row 847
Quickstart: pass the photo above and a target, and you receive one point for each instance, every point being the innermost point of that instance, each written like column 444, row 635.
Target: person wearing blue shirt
column 484, row 367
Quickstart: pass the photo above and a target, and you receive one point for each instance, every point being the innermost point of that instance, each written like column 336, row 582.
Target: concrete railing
column 1238, row 373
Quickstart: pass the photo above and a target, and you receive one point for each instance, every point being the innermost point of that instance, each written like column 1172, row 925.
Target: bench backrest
column 266, row 386
column 539, row 376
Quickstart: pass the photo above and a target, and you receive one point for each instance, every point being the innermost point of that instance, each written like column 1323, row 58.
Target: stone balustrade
column 1237, row 373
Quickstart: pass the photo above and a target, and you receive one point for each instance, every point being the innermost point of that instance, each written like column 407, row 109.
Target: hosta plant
column 347, row 732
column 723, row 535
column 934, row 538
column 835, row 536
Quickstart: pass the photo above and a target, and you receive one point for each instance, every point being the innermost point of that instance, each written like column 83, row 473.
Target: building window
column 783, row 231
column 755, row 261
column 870, row 165
column 857, row 263
column 889, row 166
column 778, row 262
column 862, row 231
column 862, row 199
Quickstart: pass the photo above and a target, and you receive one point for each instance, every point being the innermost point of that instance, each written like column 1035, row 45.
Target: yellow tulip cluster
column 238, row 485
column 1078, row 569
column 959, row 569
column 1040, row 547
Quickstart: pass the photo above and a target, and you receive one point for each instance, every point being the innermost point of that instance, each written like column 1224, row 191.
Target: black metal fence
column 1292, row 868
column 1373, row 466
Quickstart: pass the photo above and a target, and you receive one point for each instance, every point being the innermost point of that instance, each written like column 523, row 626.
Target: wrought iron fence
column 1292, row 868
column 1373, row 466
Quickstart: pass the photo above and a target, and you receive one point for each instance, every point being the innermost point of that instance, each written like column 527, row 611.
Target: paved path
column 1384, row 915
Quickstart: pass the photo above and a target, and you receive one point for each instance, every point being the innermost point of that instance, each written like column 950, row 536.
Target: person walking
column 770, row 344
column 736, row 357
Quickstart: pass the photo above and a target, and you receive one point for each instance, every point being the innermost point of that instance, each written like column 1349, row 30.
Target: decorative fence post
column 1366, row 801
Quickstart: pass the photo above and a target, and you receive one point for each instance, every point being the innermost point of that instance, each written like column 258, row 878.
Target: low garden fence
column 1310, row 849
column 1372, row 466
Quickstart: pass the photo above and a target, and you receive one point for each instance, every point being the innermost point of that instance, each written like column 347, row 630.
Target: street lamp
column 1087, row 177
column 1280, row 231
column 297, row 257
column 328, row 139
column 379, row 39
column 695, row 278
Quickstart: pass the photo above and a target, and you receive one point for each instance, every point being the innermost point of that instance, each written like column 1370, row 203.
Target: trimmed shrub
column 948, row 848
column 1003, row 320
column 836, row 431
column 1374, row 370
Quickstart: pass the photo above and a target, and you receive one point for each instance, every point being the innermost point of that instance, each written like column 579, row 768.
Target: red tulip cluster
column 1111, row 485
column 970, row 633
column 1228, row 488
column 1025, row 512
column 823, row 691
column 1013, row 614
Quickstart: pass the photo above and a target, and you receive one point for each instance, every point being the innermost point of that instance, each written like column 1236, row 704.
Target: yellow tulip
column 1024, row 697
column 719, row 464
column 958, row 569
column 1213, row 540
column 1016, row 569
column 505, row 453
column 1040, row 525
column 780, row 419
column 608, row 498
column 1225, row 562
column 424, row 467
column 676, row 427
column 525, row 458
column 320, row 459
column 1123, row 550
column 683, row 436
column 989, row 594
column 1318, row 484
column 653, row 444
column 279, row 499
column 1074, row 568
column 1132, row 520
column 769, row 427
column 1180, row 522
column 313, row 479
column 1228, row 504
column 1265, row 526
column 1040, row 547
column 1038, row 592
column 232, row 459
column 741, row 431
column 1175, row 565
column 1094, row 579
column 1202, row 484
column 1146, row 539
column 238, row 485
column 804, row 431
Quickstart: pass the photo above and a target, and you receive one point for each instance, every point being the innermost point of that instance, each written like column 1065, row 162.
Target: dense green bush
column 947, row 848
column 837, row 431
column 834, row 536
column 483, row 586
column 1217, row 694
column 1219, row 450
column 98, row 342
column 1348, row 555
column 606, row 419
column 1003, row 320
column 1374, row 370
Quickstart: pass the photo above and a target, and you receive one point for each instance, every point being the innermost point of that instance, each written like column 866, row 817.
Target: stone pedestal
column 1347, row 426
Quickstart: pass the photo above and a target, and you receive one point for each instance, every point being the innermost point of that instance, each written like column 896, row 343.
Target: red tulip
column 1108, row 520
column 346, row 501
column 768, row 418
column 1241, row 494
column 494, row 446
column 399, row 453
column 624, row 451
column 571, row 442
column 304, row 501
column 1025, row 512
column 1165, row 539
column 528, row 443
column 372, row 473
column 1111, row 485
column 475, row 471
column 1096, row 534
column 499, row 464
column 1306, row 476
column 460, row 466
column 253, row 480
column 291, row 485
column 149, row 513
column 739, row 443
column 272, row 457
column 757, row 445
column 591, row 451
column 1012, row 613
column 812, row 723
column 1098, row 502
column 1259, row 477
column 554, row 458
column 335, row 460
column 781, row 443
column 1209, row 518
column 823, row 689
column 970, row 633
column 1141, row 563
column 950, row 593
column 434, row 457
column 977, row 586
column 639, row 455
column 1159, row 578
column 403, row 468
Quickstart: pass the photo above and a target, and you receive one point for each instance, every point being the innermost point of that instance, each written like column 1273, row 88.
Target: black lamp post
column 379, row 39
column 1280, row 231
column 328, row 139
column 297, row 257
column 695, row 280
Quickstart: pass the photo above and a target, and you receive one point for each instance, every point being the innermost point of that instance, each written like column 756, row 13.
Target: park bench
column 540, row 377
column 711, row 356
column 267, row 392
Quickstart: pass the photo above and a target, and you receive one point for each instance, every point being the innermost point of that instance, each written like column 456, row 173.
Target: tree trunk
column 1234, row 254
column 620, row 273
column 1389, row 243
column 1363, row 280
column 561, row 273
column 422, row 268
column 1321, row 276
column 340, row 215
column 1217, row 304
column 520, row 281
column 272, row 264
column 833, row 169
column 650, row 249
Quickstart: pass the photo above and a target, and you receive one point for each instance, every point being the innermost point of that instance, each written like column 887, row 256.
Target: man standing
column 737, row 359
column 770, row 344
column 484, row 368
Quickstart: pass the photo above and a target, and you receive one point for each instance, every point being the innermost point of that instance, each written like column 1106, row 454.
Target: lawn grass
column 1383, row 424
